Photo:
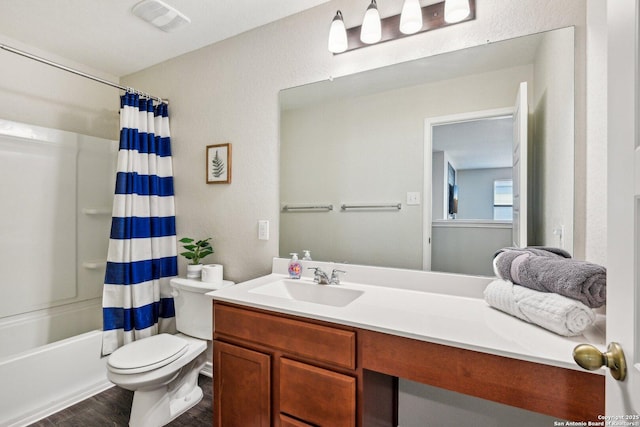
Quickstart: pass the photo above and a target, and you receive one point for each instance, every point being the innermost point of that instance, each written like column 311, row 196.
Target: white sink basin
column 297, row 290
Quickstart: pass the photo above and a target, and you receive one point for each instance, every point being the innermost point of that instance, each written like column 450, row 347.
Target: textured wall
column 228, row 92
column 594, row 174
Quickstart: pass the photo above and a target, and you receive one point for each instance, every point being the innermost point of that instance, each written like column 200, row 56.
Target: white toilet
column 163, row 369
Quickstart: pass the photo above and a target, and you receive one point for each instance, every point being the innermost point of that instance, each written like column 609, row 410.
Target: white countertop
column 434, row 307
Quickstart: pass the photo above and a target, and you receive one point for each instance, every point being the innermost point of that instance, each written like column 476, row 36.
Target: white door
column 520, row 132
column 623, row 214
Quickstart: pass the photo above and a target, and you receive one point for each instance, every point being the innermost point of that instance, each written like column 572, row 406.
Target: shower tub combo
column 56, row 194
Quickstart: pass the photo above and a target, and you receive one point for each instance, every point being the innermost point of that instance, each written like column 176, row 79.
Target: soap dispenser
column 295, row 268
column 307, row 255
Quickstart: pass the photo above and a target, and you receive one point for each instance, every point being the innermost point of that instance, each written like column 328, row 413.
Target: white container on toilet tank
column 212, row 273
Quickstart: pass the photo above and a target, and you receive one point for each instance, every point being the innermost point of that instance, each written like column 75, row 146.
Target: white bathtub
column 36, row 383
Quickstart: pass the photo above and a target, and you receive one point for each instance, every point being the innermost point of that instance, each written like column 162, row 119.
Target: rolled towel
column 559, row 314
column 580, row 280
column 538, row 250
column 503, row 259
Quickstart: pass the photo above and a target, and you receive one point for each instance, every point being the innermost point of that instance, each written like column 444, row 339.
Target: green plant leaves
column 196, row 252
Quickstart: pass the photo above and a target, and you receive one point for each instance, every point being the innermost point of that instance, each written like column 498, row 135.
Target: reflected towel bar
column 397, row 206
column 94, row 265
column 287, row 208
column 96, row 211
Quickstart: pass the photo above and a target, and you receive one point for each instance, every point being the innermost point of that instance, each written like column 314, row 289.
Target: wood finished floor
column 113, row 406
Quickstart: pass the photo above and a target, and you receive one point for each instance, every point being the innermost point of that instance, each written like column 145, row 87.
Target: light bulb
column 456, row 10
column 371, row 31
column 337, row 35
column 411, row 17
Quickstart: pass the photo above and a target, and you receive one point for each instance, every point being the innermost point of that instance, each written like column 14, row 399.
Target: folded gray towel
column 538, row 250
column 580, row 280
column 507, row 260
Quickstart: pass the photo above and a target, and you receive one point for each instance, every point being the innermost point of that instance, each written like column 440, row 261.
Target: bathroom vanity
column 293, row 353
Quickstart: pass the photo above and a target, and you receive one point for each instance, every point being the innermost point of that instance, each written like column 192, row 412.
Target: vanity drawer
column 317, row 396
column 312, row 341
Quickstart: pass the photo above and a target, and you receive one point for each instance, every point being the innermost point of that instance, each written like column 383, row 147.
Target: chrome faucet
column 322, row 278
column 335, row 279
column 319, row 276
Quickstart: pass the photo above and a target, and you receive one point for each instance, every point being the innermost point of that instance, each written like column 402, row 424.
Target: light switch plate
column 413, row 198
column 263, row 229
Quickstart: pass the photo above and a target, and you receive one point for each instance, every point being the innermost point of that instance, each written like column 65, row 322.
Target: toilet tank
column 194, row 308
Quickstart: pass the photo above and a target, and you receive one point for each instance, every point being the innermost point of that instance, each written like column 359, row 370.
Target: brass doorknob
column 590, row 358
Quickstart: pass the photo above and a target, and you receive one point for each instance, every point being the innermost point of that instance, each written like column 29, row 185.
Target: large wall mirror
column 412, row 165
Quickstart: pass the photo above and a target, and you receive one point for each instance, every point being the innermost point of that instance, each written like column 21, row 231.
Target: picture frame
column 218, row 166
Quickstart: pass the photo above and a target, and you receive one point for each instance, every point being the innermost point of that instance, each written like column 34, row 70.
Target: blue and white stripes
column 142, row 255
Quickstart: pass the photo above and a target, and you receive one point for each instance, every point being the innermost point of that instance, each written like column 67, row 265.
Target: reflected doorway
column 470, row 162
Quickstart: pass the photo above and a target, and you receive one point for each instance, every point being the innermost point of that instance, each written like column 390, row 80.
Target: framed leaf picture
column 219, row 164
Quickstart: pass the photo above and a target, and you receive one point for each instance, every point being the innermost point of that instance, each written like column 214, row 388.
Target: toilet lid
column 147, row 354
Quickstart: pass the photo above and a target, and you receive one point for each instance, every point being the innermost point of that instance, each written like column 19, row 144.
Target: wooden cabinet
column 242, row 386
column 305, row 372
column 281, row 370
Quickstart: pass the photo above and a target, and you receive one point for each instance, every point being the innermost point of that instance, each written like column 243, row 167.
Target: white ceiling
column 104, row 35
column 477, row 144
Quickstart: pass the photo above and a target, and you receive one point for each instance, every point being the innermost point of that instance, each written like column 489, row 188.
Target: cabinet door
column 317, row 396
column 241, row 386
column 291, row 422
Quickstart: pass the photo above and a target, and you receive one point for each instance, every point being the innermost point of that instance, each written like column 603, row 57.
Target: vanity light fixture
column 371, row 30
column 337, row 34
column 411, row 17
column 414, row 19
column 456, row 10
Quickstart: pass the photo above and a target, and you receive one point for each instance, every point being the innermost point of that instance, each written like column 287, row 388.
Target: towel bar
column 287, row 208
column 397, row 206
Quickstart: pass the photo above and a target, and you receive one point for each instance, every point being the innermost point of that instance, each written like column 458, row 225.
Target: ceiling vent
column 160, row 15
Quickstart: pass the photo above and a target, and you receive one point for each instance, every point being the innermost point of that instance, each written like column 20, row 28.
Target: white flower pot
column 194, row 271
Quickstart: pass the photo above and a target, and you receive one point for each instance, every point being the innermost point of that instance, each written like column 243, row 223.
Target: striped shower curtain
column 142, row 255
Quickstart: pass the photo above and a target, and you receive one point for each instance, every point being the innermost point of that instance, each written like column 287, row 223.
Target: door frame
column 429, row 123
column 623, row 204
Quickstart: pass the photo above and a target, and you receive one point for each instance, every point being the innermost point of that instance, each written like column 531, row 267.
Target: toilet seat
column 147, row 354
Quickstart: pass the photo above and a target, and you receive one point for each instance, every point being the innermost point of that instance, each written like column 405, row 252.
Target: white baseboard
column 207, row 370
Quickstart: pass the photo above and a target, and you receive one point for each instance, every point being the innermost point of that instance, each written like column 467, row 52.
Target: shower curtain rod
column 79, row 73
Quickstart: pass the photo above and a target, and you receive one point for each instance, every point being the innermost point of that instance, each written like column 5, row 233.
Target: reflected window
column 503, row 200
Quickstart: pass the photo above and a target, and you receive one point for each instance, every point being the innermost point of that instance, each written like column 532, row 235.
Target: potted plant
column 195, row 251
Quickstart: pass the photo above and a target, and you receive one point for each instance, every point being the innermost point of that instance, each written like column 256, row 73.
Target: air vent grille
column 160, row 15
